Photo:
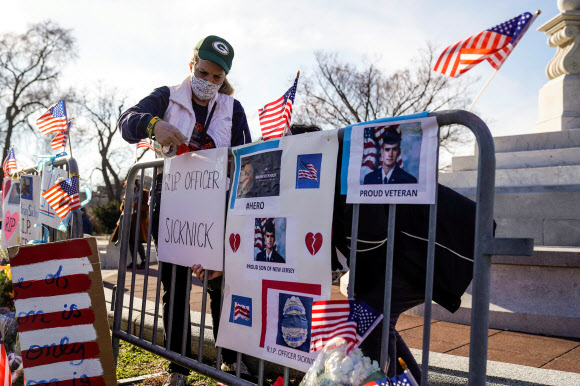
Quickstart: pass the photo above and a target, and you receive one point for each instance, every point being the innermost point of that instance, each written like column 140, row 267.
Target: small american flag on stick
column 54, row 119
column 351, row 320
column 275, row 116
column 493, row 45
column 9, row 163
column 64, row 196
column 61, row 138
column 145, row 144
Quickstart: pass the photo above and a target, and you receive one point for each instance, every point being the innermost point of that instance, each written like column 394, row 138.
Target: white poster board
column 192, row 215
column 391, row 161
column 11, row 213
column 46, row 214
column 29, row 204
column 287, row 219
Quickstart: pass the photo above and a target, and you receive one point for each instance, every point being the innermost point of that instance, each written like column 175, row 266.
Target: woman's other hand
column 200, row 272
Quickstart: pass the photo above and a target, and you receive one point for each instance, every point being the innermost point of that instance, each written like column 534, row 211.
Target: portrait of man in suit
column 269, row 253
column 390, row 172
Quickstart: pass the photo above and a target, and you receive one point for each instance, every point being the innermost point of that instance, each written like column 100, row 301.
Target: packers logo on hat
column 221, row 47
column 217, row 50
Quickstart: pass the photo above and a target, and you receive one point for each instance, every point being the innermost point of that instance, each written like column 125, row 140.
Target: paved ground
column 543, row 352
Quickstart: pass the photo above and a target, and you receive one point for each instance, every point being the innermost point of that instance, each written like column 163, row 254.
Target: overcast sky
column 139, row 45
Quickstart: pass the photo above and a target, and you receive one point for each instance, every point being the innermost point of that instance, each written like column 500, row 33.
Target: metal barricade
column 76, row 222
column 485, row 246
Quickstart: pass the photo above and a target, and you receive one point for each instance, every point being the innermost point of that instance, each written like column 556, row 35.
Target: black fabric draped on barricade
column 455, row 235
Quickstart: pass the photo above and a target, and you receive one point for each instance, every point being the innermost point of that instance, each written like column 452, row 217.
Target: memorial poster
column 278, row 247
column 391, row 161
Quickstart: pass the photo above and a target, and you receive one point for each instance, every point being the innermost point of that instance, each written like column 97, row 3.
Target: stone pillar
column 559, row 98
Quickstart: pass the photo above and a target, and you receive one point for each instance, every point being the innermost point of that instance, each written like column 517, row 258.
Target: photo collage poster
column 278, row 246
column 391, row 161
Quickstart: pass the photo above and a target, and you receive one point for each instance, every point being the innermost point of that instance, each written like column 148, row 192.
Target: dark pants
column 215, row 301
column 180, row 306
column 404, row 297
column 140, row 250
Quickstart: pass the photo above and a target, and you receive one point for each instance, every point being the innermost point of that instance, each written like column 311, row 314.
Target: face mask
column 203, row 89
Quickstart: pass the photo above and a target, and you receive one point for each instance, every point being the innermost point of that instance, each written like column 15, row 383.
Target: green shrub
column 107, row 215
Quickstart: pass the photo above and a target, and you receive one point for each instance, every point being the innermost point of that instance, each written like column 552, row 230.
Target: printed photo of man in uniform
column 269, row 253
column 389, row 171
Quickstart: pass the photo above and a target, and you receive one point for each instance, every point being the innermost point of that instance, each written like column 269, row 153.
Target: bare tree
column 30, row 65
column 340, row 93
column 98, row 125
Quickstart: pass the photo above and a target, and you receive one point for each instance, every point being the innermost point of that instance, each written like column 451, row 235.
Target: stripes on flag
column 493, row 45
column 5, row 374
column 241, row 311
column 275, row 116
column 63, row 196
column 308, row 171
column 9, row 163
column 54, row 119
column 145, row 144
column 61, row 138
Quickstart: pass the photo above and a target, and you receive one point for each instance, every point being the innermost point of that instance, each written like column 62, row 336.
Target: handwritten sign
column 61, row 314
column 11, row 215
column 29, row 204
column 192, row 217
column 47, row 215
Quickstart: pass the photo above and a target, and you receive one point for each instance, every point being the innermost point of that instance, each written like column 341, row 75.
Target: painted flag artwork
column 54, row 119
column 64, row 196
column 349, row 319
column 379, row 382
column 241, row 311
column 60, row 303
column 275, row 116
column 405, row 379
column 5, row 375
column 9, row 163
column 493, row 45
column 145, row 144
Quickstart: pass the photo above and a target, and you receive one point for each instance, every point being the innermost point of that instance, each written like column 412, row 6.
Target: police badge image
column 294, row 316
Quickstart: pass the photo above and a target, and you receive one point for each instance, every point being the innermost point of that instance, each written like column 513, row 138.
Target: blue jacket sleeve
column 133, row 122
column 240, row 129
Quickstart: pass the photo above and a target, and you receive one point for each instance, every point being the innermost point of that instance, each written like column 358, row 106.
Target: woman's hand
column 199, row 272
column 167, row 134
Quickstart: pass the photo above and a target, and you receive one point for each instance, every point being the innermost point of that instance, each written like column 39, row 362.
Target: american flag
column 145, row 144
column 64, row 196
column 54, row 119
column 379, row 382
column 493, row 45
column 5, row 374
column 352, row 320
column 373, row 140
column 9, row 163
column 275, row 116
column 61, row 138
column 241, row 311
column 307, row 171
column 405, row 379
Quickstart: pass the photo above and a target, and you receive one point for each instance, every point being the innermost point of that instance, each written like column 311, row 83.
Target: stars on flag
column 54, row 119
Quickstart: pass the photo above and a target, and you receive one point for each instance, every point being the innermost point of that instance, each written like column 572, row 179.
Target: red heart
column 313, row 242
column 234, row 241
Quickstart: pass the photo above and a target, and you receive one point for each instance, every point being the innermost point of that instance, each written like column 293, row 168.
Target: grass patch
column 134, row 361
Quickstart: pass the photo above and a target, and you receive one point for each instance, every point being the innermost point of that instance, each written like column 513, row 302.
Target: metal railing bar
column 353, row 247
column 169, row 326
column 388, row 288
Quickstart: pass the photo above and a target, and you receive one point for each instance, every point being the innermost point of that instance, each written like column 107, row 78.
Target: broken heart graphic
column 313, row 242
column 234, row 241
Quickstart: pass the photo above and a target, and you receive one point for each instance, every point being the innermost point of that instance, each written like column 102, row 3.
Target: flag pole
column 69, row 141
column 537, row 13
column 287, row 124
